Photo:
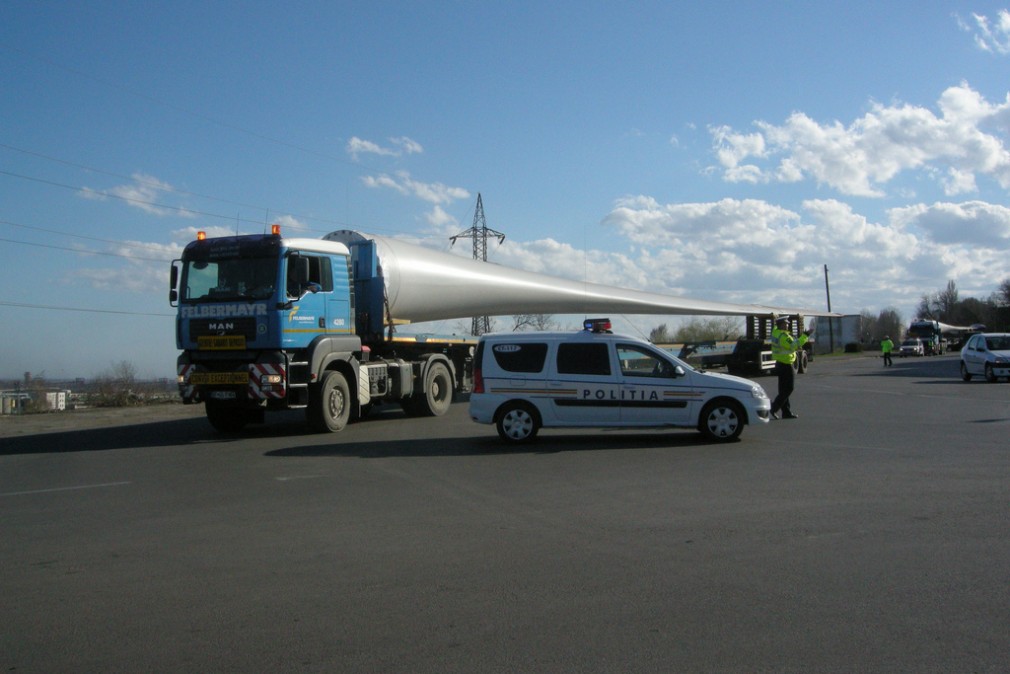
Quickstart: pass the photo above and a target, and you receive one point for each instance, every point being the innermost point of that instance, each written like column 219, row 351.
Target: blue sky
column 719, row 150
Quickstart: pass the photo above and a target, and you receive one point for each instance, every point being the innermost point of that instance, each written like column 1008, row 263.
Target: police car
column 527, row 381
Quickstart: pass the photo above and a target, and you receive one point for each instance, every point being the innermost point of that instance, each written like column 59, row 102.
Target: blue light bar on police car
column 596, row 325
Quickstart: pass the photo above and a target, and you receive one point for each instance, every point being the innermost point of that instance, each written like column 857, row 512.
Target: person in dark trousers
column 784, row 348
column 886, row 347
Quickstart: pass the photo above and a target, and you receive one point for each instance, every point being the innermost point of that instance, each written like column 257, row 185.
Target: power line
column 127, row 244
column 182, row 210
column 85, row 252
column 157, row 185
column 21, row 305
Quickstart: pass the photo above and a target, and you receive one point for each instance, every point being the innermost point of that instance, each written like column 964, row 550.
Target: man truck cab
column 593, row 378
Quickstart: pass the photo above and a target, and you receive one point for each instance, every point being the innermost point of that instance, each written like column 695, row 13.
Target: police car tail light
column 596, row 325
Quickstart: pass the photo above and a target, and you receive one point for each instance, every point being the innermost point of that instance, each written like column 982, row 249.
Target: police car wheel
column 517, row 423
column 722, row 421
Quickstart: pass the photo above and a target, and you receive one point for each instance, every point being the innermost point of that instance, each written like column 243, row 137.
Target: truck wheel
column 330, row 404
column 517, row 423
column 802, row 361
column 721, row 421
column 226, row 418
column 964, row 372
column 436, row 398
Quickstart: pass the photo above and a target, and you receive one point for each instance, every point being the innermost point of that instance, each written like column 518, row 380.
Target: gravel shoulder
column 18, row 425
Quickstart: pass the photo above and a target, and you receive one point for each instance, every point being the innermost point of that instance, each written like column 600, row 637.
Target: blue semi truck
column 270, row 323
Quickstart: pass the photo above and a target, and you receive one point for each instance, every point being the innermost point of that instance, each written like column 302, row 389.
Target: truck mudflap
column 256, row 381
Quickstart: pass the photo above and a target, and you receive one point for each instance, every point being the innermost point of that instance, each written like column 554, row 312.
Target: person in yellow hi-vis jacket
column 784, row 348
column 886, row 347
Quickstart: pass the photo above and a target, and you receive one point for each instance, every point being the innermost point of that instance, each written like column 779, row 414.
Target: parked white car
column 527, row 381
column 912, row 347
column 986, row 355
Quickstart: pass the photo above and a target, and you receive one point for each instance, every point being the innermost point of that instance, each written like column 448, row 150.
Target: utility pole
column 479, row 232
column 831, row 326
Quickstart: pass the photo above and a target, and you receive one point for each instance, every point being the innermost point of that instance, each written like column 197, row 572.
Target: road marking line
column 56, row 489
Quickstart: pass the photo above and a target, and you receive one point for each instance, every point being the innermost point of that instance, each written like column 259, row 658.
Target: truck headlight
column 270, row 379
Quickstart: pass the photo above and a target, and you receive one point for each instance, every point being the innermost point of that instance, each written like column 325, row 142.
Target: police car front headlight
column 758, row 392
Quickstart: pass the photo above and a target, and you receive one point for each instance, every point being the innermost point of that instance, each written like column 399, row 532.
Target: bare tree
column 116, row 387
column 946, row 300
column 660, row 334
column 889, row 323
column 538, row 322
column 1003, row 293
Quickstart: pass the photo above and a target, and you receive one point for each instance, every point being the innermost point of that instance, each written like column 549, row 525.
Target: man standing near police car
column 784, row 348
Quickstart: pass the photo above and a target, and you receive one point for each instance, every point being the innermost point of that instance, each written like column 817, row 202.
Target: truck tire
column 517, row 423
column 329, row 404
column 436, row 397
column 802, row 361
column 721, row 420
column 226, row 418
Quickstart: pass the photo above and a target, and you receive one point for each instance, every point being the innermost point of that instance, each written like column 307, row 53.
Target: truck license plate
column 221, row 342
column 222, row 395
column 219, row 378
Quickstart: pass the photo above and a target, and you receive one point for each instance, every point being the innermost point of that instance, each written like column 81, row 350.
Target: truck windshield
column 244, row 278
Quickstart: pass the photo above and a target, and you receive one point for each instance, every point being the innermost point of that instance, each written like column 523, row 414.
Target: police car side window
column 520, row 357
column 591, row 359
column 639, row 362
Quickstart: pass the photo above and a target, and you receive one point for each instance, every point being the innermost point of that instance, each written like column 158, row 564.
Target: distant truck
column 749, row 356
column 930, row 333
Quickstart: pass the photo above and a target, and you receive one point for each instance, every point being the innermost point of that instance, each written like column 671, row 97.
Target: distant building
column 20, row 401
column 57, row 400
column 13, row 402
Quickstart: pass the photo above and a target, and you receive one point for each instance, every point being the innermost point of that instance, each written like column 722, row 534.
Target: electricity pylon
column 479, row 232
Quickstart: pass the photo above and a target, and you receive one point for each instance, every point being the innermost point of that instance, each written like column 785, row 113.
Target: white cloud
column 954, row 146
column 403, row 145
column 289, row 223
column 975, row 224
column 757, row 252
column 991, row 36
column 145, row 193
column 407, row 145
column 356, row 146
column 435, row 193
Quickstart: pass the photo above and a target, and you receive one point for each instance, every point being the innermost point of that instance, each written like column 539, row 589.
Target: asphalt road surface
column 869, row 535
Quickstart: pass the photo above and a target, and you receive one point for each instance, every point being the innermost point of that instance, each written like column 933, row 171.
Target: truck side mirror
column 173, row 283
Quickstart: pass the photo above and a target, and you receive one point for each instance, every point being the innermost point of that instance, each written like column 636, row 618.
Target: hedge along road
column 868, row 535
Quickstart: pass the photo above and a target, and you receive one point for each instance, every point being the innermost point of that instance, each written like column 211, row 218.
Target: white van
column 527, row 381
